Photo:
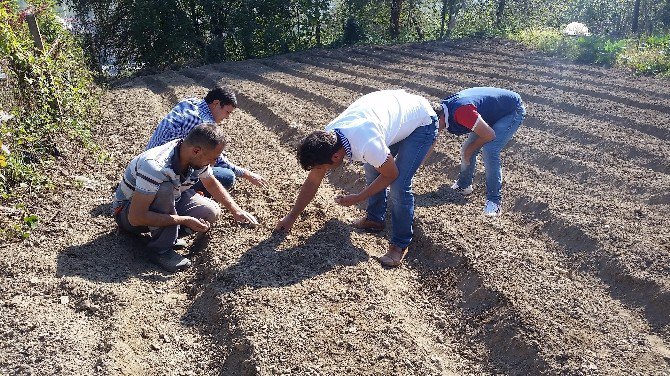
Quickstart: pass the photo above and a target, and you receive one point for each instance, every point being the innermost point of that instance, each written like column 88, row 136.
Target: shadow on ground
column 441, row 196
column 265, row 265
column 111, row 257
column 622, row 285
column 451, row 281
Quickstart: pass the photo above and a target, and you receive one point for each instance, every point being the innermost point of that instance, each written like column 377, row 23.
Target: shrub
column 649, row 55
column 647, row 61
column 646, row 55
column 543, row 39
column 51, row 94
column 48, row 98
column 598, row 50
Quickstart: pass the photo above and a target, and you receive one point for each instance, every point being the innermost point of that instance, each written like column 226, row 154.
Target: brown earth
column 573, row 279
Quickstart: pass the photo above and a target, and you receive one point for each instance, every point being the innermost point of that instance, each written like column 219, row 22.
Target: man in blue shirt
column 491, row 116
column 217, row 105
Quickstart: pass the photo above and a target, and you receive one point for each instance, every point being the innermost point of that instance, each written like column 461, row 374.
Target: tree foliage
column 148, row 34
column 48, row 95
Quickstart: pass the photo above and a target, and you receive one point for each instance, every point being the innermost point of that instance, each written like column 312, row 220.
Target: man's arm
column 388, row 172
column 221, row 195
column 140, row 215
column 305, row 196
column 253, row 177
column 484, row 134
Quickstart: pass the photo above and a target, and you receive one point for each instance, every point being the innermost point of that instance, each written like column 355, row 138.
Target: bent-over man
column 390, row 131
column 491, row 116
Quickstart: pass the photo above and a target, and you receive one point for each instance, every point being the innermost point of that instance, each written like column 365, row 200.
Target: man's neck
column 183, row 158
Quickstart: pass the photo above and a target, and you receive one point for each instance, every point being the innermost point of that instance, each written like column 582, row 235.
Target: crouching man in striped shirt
column 156, row 193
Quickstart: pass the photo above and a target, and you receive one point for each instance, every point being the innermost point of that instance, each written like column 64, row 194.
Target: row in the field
column 172, row 189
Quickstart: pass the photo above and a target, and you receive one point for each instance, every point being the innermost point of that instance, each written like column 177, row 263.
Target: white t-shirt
column 380, row 119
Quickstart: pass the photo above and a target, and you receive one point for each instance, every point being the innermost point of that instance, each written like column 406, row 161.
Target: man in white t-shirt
column 390, row 131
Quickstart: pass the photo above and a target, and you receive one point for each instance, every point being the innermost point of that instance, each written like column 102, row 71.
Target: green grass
column 648, row 55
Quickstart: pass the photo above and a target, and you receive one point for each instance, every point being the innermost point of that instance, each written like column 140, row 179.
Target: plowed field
column 573, row 279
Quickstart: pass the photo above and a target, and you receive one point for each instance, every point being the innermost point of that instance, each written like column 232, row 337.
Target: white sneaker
column 491, row 209
column 464, row 191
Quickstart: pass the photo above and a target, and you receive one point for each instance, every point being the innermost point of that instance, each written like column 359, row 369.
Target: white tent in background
column 576, row 29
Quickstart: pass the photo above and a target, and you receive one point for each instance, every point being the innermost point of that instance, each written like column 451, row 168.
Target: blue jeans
column 225, row 176
column 504, row 129
column 408, row 154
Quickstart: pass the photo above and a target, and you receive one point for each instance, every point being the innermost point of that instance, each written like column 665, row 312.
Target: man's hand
column 196, row 224
column 255, row 179
column 245, row 217
column 466, row 156
column 348, row 200
column 484, row 134
column 285, row 223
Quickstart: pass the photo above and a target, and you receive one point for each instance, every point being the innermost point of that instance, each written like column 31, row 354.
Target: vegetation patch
column 644, row 55
column 48, row 103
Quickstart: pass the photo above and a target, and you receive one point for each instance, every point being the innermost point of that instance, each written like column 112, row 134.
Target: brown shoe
column 393, row 256
column 368, row 225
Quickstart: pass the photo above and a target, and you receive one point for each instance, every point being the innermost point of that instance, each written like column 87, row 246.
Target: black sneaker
column 169, row 260
column 464, row 191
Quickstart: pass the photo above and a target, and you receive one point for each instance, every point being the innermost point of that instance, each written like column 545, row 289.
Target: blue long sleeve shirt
column 185, row 116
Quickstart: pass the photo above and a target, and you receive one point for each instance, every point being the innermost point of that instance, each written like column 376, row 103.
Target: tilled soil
column 573, row 279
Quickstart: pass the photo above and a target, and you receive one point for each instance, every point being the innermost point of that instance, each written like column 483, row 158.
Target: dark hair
column 318, row 148
column 437, row 107
column 224, row 94
column 206, row 136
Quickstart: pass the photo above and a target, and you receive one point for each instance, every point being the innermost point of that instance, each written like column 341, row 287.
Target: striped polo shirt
column 149, row 170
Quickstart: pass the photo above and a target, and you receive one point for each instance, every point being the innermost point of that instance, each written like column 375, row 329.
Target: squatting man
column 215, row 107
column 156, row 193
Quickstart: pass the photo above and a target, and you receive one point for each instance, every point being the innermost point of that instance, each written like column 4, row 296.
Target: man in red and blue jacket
column 491, row 116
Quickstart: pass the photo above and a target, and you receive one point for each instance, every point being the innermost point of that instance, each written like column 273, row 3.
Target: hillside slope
column 573, row 279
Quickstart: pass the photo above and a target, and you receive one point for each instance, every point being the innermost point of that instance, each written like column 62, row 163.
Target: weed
column 645, row 55
column 49, row 102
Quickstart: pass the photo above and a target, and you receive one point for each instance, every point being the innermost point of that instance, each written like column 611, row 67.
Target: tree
column 499, row 14
column 636, row 17
column 396, row 9
column 665, row 15
column 445, row 4
column 454, row 8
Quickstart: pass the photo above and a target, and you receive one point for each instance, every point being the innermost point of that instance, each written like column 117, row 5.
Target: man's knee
column 225, row 176
column 208, row 210
column 491, row 156
column 214, row 213
column 401, row 190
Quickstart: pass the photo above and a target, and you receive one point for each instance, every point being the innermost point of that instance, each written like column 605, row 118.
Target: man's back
column 183, row 117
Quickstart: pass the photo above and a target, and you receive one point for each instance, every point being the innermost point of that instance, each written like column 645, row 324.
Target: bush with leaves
column 48, row 101
column 648, row 55
column 644, row 55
